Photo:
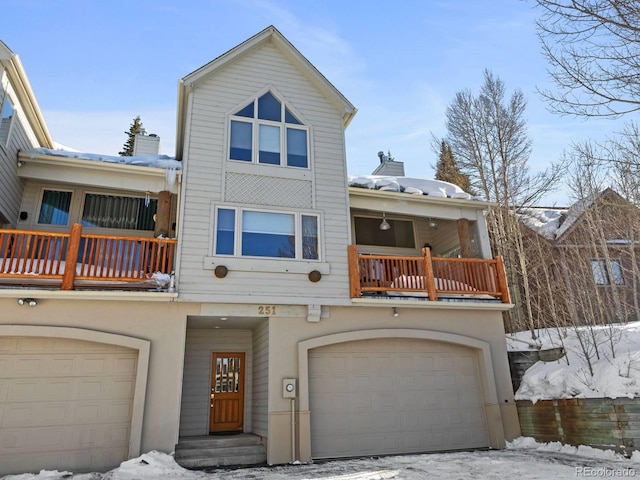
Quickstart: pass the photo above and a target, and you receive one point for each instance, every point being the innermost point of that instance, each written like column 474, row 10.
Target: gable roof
column 18, row 79
column 556, row 223
column 268, row 35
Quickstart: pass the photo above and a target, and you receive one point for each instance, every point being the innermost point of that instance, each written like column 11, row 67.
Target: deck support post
column 72, row 257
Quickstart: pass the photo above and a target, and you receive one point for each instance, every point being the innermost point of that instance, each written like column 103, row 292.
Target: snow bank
column 614, row 354
column 528, row 443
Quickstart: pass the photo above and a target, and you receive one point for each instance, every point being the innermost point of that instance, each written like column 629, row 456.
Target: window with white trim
column 267, row 132
column 7, row 112
column 54, row 208
column 607, row 276
column 120, row 212
column 253, row 233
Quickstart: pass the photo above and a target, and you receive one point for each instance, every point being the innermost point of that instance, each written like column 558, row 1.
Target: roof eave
column 26, row 97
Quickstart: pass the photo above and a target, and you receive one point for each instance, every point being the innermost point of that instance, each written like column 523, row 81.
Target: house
column 589, row 251
column 287, row 312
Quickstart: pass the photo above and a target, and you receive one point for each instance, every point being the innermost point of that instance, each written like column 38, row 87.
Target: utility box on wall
column 289, row 388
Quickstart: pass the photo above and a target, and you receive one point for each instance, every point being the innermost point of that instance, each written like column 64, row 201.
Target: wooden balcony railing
column 427, row 276
column 75, row 259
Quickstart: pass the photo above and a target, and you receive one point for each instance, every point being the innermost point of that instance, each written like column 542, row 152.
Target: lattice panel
column 258, row 190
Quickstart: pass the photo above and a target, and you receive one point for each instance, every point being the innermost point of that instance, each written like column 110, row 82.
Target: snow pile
column 417, row 186
column 151, row 466
column 155, row 161
column 528, row 443
column 613, row 351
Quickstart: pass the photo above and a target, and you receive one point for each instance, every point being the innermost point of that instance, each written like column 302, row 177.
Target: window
column 54, row 209
column 6, row 116
column 266, row 234
column 400, row 235
column 267, row 132
column 605, row 276
column 111, row 211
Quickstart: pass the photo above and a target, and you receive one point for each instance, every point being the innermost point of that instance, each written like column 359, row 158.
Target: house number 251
column 266, row 309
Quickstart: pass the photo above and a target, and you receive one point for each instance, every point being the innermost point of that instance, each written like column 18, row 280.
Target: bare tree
column 488, row 137
column 593, row 48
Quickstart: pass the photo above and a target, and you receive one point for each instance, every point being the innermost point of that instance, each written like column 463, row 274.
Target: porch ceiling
column 229, row 323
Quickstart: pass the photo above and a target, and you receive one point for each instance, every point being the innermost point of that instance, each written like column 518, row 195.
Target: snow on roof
column 417, row 186
column 545, row 221
column 153, row 161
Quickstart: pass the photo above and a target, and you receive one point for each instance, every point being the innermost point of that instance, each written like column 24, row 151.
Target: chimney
column 388, row 166
column 146, row 144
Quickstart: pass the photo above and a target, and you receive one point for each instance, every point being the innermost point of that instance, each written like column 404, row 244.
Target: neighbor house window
column 607, row 276
column 112, row 211
column 6, row 116
column 400, row 235
column 251, row 233
column 266, row 131
column 54, row 209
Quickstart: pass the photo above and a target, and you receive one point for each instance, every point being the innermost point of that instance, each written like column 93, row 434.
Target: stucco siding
column 260, row 380
column 209, row 176
column 196, row 386
column 160, row 323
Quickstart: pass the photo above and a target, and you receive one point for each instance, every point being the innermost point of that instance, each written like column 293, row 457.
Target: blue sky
column 94, row 65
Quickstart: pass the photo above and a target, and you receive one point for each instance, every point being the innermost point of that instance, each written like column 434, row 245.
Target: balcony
column 73, row 261
column 427, row 278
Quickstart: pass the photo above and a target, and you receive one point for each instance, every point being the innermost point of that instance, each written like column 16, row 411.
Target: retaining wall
column 598, row 422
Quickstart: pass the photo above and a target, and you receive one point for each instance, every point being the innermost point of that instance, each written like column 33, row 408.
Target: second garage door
column 64, row 404
column 387, row 396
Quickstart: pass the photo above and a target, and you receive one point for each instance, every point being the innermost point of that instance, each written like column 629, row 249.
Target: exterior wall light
column 395, row 312
column 27, row 301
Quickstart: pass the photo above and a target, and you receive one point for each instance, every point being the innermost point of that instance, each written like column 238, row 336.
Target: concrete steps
column 220, row 450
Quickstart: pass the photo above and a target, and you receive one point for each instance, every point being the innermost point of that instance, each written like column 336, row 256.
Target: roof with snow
column 152, row 161
column 411, row 185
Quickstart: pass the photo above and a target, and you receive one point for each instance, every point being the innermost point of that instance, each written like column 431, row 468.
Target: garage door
column 64, row 404
column 387, row 396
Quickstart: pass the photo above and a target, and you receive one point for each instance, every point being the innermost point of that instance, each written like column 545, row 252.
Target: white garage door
column 387, row 396
column 64, row 404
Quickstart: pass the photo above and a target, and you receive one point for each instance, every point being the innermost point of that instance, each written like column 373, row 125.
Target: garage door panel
column 400, row 395
column 64, row 403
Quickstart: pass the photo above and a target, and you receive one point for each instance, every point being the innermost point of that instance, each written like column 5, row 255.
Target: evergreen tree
column 134, row 129
column 447, row 169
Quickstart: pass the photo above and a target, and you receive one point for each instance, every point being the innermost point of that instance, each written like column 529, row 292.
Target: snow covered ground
column 612, row 350
column 524, row 459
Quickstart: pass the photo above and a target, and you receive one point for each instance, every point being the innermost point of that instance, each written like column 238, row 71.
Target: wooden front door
column 227, row 392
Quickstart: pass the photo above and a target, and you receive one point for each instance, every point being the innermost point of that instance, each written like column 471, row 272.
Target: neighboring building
column 305, row 311
column 589, row 251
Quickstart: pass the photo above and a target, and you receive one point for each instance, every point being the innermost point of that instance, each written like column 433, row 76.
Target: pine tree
column 447, row 169
column 134, row 129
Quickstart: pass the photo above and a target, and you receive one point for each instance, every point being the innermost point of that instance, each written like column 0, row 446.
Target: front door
column 227, row 392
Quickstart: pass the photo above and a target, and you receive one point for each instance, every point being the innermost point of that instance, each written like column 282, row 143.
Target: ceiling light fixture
column 384, row 225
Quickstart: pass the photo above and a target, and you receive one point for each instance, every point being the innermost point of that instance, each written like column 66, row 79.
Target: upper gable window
column 267, row 132
column 6, row 116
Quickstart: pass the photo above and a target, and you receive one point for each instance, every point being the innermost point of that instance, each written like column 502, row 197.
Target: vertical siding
column 196, row 384
column 205, row 171
column 260, row 399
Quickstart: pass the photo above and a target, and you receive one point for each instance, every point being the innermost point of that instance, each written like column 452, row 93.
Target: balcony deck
column 426, row 277
column 72, row 261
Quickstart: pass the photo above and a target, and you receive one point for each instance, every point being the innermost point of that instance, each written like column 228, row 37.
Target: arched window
column 266, row 131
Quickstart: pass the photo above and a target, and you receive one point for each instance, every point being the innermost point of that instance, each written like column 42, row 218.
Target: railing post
column 429, row 279
column 354, row 275
column 72, row 257
column 502, row 280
